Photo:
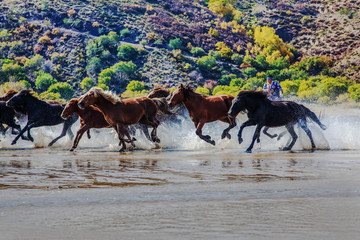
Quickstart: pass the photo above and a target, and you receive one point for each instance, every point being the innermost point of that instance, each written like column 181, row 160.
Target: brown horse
column 120, row 113
column 90, row 117
column 159, row 92
column 204, row 109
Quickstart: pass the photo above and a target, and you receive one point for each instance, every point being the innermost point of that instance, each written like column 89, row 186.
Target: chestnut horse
column 204, row 109
column 90, row 117
column 120, row 113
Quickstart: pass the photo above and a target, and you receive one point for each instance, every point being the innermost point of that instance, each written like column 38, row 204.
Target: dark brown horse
column 40, row 113
column 159, row 92
column 204, row 109
column 121, row 113
column 265, row 113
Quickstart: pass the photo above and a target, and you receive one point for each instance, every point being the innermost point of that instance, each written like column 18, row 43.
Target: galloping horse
column 263, row 112
column 120, row 113
column 90, row 117
column 204, row 109
column 40, row 113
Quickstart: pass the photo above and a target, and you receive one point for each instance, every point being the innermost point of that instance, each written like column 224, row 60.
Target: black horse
column 263, row 112
column 40, row 113
column 7, row 116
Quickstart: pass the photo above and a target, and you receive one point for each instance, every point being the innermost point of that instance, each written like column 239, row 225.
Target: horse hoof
column 72, row 149
column 228, row 136
column 156, row 139
column 212, row 142
column 248, row 151
column 286, row 149
column 240, row 140
column 13, row 142
column 274, row 136
column 258, row 140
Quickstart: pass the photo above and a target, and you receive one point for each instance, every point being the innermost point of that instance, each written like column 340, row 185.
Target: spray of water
column 342, row 133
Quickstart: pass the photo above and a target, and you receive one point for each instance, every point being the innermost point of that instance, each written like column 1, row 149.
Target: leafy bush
column 332, row 87
column 290, row 87
column 354, row 92
column 228, row 90
column 44, row 81
column 225, row 51
column 21, row 85
column 51, row 96
column 34, row 63
column 94, row 66
column 253, row 84
column 124, row 33
column 237, row 58
column 226, row 79
column 64, row 89
column 207, row 64
column 237, row 82
column 197, row 51
column 315, row 65
column 135, row 86
column 127, row 52
column 249, row 72
column 202, row 90
column 176, row 43
column 12, row 70
column 87, row 83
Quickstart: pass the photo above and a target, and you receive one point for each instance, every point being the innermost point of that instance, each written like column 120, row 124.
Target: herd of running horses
column 103, row 109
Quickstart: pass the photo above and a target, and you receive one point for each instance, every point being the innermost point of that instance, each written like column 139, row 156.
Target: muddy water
column 184, row 188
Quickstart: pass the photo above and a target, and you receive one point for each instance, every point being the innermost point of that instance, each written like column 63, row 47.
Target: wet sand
column 96, row 193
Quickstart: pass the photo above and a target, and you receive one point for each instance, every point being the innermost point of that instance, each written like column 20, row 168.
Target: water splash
column 343, row 128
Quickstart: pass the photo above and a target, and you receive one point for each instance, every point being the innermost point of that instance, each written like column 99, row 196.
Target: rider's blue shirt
column 273, row 90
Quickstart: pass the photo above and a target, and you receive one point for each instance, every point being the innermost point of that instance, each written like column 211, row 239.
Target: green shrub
column 127, row 52
column 44, row 81
column 237, row 82
column 197, row 51
column 94, row 66
column 237, row 58
column 249, row 72
column 124, row 33
column 354, row 92
column 290, row 87
column 87, row 83
column 34, row 63
column 226, row 79
column 64, row 89
column 202, row 90
column 253, row 84
column 51, row 96
column 135, row 86
column 176, row 44
column 228, row 90
column 332, row 87
column 207, row 63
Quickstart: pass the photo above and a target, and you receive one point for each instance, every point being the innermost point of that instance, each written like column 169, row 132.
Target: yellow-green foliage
column 21, row 85
column 202, row 90
column 86, row 84
column 213, row 32
column 225, row 51
column 354, row 92
column 223, row 8
column 290, row 87
column 272, row 44
column 220, row 90
column 129, row 93
column 135, row 86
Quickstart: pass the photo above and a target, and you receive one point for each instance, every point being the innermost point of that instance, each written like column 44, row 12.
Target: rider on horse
column 273, row 89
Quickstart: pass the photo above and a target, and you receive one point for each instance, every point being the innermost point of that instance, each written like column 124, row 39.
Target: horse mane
column 108, row 95
column 253, row 94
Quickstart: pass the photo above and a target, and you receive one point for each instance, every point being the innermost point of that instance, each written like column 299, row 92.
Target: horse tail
column 162, row 105
column 312, row 116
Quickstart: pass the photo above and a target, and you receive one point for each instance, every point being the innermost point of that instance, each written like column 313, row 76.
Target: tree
column 176, row 44
column 87, row 83
column 44, row 81
column 127, row 52
column 65, row 90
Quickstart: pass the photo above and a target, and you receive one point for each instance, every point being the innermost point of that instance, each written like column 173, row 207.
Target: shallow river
column 183, row 188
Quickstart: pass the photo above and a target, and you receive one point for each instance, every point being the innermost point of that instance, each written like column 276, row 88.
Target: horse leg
column 63, row 133
column 79, row 134
column 145, row 130
column 26, row 128
column 225, row 133
column 256, row 136
column 249, row 122
column 303, row 125
column 268, row 134
column 206, row 138
column 153, row 123
column 88, row 134
column 120, row 133
column 294, row 136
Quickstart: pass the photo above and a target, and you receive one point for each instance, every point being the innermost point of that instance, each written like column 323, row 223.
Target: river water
column 184, row 188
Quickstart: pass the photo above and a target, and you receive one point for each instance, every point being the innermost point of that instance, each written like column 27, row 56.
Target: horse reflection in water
column 263, row 112
column 204, row 109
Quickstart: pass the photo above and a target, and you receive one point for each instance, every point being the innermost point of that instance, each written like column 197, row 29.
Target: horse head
column 18, row 100
column 179, row 95
column 159, row 92
column 70, row 108
column 88, row 98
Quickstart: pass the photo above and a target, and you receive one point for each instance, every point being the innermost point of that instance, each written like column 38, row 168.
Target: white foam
column 342, row 133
